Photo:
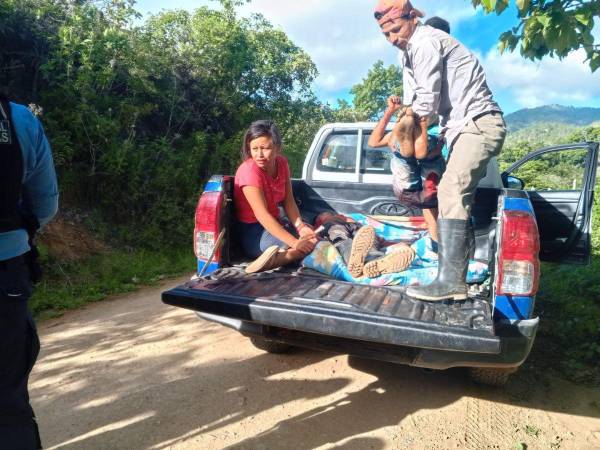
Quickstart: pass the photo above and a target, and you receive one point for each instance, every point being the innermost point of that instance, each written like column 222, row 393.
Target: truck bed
column 306, row 301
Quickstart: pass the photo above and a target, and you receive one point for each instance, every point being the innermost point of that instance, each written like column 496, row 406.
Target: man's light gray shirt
column 441, row 76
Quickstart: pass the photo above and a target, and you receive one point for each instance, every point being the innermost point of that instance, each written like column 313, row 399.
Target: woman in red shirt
column 262, row 183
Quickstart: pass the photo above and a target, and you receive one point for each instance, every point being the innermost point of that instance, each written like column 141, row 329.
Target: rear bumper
column 314, row 317
column 516, row 340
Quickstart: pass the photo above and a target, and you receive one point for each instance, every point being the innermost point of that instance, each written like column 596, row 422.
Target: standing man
column 442, row 77
column 28, row 200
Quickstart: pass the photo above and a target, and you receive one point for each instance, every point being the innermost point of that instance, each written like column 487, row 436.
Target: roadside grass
column 568, row 304
column 73, row 284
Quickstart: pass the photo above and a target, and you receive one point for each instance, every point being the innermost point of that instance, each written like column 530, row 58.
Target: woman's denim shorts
column 254, row 239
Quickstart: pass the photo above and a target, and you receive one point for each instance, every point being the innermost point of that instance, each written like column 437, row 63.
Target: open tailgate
column 311, row 303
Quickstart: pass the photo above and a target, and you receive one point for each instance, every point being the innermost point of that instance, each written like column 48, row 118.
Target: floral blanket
column 423, row 270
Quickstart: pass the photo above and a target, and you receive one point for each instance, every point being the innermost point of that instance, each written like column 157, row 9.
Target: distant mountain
column 569, row 115
column 541, row 133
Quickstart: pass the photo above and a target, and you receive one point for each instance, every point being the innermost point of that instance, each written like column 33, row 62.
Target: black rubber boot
column 454, row 248
column 471, row 239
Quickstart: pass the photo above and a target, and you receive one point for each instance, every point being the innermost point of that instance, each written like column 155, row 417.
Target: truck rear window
column 339, row 153
column 374, row 160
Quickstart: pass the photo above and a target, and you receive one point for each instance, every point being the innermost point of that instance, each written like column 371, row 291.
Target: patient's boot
column 362, row 242
column 272, row 258
column 394, row 262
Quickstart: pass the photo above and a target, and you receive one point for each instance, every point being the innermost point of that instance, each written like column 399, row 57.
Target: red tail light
column 519, row 263
column 208, row 225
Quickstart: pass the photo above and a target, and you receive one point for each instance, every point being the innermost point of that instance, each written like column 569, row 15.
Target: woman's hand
column 304, row 230
column 307, row 232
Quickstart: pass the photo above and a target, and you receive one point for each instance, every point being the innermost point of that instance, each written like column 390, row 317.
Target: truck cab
column 491, row 333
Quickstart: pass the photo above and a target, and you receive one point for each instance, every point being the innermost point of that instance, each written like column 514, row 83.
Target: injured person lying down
column 363, row 252
column 402, row 251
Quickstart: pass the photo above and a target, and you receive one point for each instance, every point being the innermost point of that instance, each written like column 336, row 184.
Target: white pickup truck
column 491, row 333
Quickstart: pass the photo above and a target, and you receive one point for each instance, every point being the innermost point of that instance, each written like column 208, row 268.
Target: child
column 358, row 244
column 262, row 182
column 418, row 161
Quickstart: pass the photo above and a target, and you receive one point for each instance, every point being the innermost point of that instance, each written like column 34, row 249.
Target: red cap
column 390, row 10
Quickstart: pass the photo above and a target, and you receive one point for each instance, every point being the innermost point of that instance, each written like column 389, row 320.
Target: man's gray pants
column 479, row 141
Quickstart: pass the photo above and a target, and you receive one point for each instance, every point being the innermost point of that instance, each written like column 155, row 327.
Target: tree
column 27, row 29
column 370, row 95
column 588, row 134
column 346, row 112
column 140, row 114
column 554, row 28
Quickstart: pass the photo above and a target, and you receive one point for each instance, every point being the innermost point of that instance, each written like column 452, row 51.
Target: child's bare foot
column 403, row 134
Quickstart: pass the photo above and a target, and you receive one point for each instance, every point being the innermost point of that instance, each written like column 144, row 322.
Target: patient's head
column 330, row 216
column 323, row 218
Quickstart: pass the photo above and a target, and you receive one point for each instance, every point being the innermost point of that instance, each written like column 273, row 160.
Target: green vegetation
column 569, row 303
column 532, row 430
column 568, row 300
column 371, row 94
column 551, row 133
column 73, row 284
column 554, row 28
column 140, row 116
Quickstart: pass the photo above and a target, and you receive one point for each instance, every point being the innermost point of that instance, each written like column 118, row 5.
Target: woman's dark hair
column 258, row 129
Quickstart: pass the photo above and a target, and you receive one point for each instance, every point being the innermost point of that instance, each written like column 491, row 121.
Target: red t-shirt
column 249, row 174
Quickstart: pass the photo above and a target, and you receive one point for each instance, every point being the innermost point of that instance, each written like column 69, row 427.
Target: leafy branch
column 554, row 28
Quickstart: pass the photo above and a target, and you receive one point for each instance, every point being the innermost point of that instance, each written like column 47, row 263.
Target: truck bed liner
column 318, row 304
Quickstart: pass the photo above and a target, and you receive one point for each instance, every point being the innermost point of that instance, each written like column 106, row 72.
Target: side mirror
column 511, row 182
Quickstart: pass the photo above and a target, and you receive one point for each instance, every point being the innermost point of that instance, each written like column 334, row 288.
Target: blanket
column 423, row 270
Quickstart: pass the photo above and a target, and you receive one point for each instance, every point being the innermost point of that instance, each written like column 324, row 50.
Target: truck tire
column 491, row 376
column 270, row 346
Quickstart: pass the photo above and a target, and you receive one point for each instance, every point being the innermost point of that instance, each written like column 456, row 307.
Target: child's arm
column 421, row 139
column 378, row 137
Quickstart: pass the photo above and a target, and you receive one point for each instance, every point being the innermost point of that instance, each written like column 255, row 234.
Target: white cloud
column 344, row 41
column 550, row 80
column 341, row 36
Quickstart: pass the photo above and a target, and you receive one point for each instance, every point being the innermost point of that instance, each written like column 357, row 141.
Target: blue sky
column 344, row 41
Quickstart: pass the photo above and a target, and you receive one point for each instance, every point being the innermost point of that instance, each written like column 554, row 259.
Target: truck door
column 560, row 182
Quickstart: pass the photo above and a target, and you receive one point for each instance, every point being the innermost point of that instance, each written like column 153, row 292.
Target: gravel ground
column 133, row 373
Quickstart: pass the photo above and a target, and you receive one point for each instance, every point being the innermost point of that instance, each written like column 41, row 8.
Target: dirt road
column 132, row 373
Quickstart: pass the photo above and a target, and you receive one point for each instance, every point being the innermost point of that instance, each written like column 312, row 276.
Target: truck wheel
column 491, row 376
column 270, row 346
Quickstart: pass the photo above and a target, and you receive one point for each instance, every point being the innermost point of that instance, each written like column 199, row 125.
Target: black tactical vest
column 11, row 171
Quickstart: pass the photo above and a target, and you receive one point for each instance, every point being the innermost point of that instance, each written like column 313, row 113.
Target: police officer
column 28, row 200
